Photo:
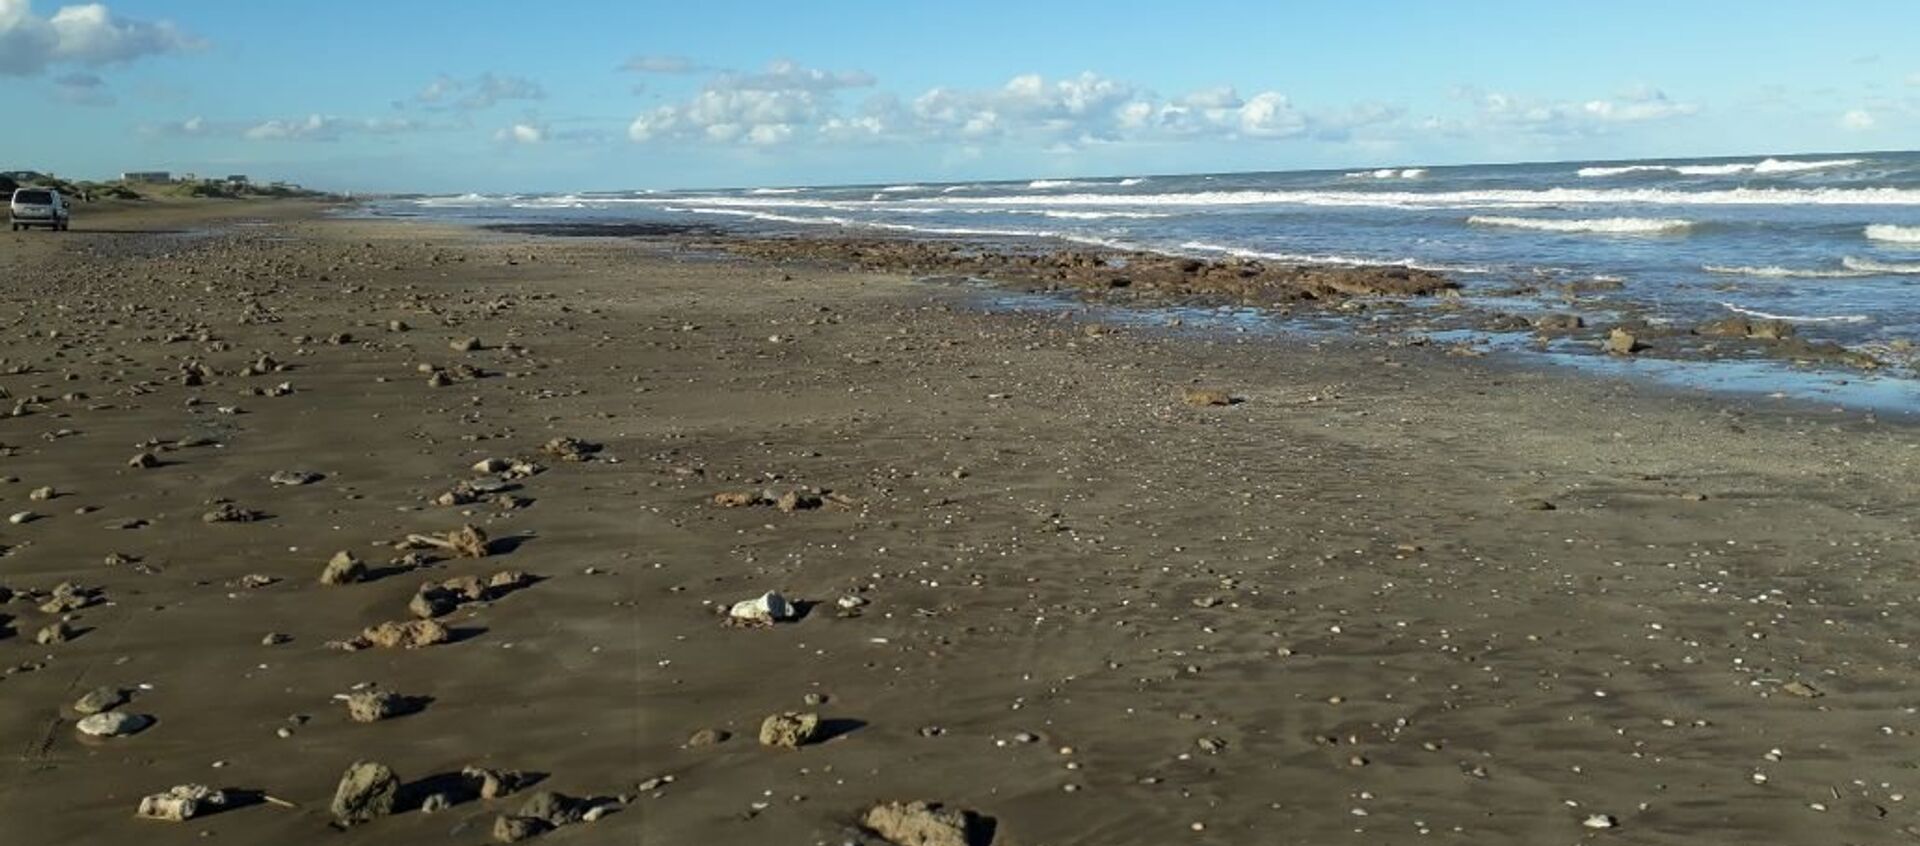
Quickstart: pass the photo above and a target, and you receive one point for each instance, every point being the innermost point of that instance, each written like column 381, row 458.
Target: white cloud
column 481, row 92
column 1499, row 112
column 87, row 35
column 784, row 75
column 1913, row 78
column 1857, row 120
column 521, row 133
column 313, row 127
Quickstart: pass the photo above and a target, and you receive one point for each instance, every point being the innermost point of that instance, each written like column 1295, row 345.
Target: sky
column 451, row 96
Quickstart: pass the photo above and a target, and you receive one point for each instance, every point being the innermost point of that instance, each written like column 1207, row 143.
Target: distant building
column 237, row 179
column 188, row 177
column 146, row 176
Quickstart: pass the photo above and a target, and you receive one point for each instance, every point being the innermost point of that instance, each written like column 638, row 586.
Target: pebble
column 113, row 724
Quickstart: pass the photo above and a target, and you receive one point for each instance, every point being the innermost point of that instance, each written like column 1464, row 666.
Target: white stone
column 1599, row 821
column 770, row 607
column 181, row 802
column 112, row 724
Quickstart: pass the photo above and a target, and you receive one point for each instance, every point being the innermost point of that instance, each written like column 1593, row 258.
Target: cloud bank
column 88, row 35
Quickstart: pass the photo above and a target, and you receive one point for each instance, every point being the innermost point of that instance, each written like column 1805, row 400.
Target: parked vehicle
column 39, row 207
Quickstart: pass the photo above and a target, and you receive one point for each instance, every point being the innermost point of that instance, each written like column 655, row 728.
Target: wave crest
column 1895, row 234
column 1766, row 166
column 1600, row 225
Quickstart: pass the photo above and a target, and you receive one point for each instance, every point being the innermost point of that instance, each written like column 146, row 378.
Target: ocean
column 1829, row 242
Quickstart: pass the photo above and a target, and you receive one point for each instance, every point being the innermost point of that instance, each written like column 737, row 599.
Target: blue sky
column 444, row 96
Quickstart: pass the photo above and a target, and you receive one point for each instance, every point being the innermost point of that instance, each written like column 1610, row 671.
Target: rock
column 41, row 494
column 791, row 729
column 372, row 706
column 1622, row 342
column 343, row 568
column 113, row 724
column 21, row 517
column 766, row 609
column 1742, row 327
column 492, row 465
column 493, row 784
column 294, row 478
column 227, row 512
column 556, row 809
column 1534, row 504
column 275, row 639
column 736, row 499
column 920, row 824
column 439, row 379
column 792, row 501
column 105, row 698
column 468, row 542
column 707, row 737
column 397, row 326
column 55, row 633
column 1559, row 322
column 570, row 449
column 411, row 634
column 435, row 803
column 1802, row 689
column 367, row 790
column 1205, row 397
column 182, row 802
column 143, row 461
column 1599, row 821
column 512, row 829
column 464, row 344
column 433, row 601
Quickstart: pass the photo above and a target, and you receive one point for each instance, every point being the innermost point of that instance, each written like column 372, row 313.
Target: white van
column 39, row 207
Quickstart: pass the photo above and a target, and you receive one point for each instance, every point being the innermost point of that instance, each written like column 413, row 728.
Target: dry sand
column 1338, row 610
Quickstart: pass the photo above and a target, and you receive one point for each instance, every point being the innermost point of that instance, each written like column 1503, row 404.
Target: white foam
column 1389, row 173
column 834, row 220
column 1133, row 180
column 1871, row 266
column 1778, row 272
column 1896, row 234
column 1728, row 169
column 1334, row 260
column 1051, row 183
column 774, row 191
column 1798, row 318
column 900, row 189
column 1601, row 225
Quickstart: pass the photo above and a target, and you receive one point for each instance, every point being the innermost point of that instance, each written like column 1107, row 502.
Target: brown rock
column 736, row 499
column 1206, row 397
column 411, row 634
column 513, row 829
column 372, row 706
column 791, row 729
column 920, row 824
column 343, row 568
column 143, row 461
column 367, row 790
column 1622, row 342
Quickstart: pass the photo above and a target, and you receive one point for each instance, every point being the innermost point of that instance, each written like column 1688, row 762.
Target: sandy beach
column 1091, row 583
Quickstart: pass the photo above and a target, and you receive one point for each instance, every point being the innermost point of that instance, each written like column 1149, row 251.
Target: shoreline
column 1738, row 354
column 1477, row 601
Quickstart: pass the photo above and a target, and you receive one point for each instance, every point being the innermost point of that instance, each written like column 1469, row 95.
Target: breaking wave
column 1778, row 272
column 1871, row 266
column 1601, row 225
column 1497, row 198
column 1896, row 234
column 1764, row 166
column 1798, row 318
column 1389, row 173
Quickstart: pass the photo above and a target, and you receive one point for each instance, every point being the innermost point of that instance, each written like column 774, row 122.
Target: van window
column 34, row 198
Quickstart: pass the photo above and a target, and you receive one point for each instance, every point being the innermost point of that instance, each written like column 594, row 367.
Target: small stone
column 343, row 568
column 1212, row 745
column 493, row 784
column 707, row 737
column 21, row 517
column 792, row 501
column 99, row 699
column 790, row 729
column 464, row 344
column 411, row 634
column 439, row 379
column 1206, row 397
column 570, row 449
column 144, row 461
column 556, row 809
column 435, row 803
column 492, row 465
column 766, row 609
column 371, row 706
column 294, row 478
column 920, row 824
column 1534, row 504
column 1599, row 821
column 42, row 494
column 366, row 790
column 182, row 802
column 55, row 633
column 1622, row 342
column 1802, row 689
column 275, row 639
column 113, row 724
column 512, row 829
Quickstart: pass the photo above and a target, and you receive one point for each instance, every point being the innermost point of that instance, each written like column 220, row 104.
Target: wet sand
column 1386, row 596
